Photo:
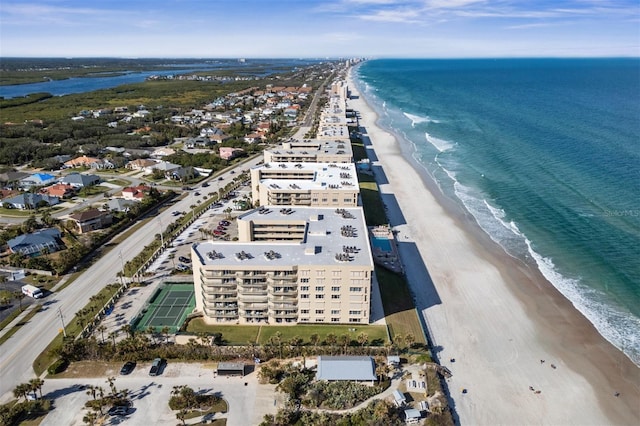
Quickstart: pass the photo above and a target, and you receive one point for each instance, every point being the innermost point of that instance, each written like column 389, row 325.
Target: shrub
column 59, row 366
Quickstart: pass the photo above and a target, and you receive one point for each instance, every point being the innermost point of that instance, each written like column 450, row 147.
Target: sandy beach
column 496, row 323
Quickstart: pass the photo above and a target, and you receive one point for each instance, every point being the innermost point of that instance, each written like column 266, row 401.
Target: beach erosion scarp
column 520, row 351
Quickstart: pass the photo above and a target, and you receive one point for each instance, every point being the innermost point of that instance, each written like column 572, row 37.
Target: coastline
column 497, row 317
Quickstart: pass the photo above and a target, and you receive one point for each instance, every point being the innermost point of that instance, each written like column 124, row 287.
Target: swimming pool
column 382, row 243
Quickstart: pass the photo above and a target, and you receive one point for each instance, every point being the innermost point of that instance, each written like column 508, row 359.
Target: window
column 355, row 312
column 335, row 200
column 319, row 319
column 304, row 311
column 335, row 288
column 335, row 296
column 354, row 319
column 304, row 273
column 319, row 311
column 320, row 273
column 319, row 288
column 335, row 319
column 335, row 312
column 304, row 296
column 355, row 289
column 336, row 273
column 318, row 296
column 304, row 280
column 304, row 288
column 304, row 319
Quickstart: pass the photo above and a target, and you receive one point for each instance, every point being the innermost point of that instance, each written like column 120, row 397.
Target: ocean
column 545, row 154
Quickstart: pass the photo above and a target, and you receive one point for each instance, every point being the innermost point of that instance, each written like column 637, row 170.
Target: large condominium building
column 291, row 265
column 311, row 151
column 305, row 184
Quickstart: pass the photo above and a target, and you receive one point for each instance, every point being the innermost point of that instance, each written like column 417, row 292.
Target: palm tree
column 102, row 328
column 409, row 339
column 112, row 336
column 36, row 385
column 21, row 390
column 344, row 341
column 331, row 340
column 152, row 331
column 363, row 339
column 314, row 339
column 19, row 295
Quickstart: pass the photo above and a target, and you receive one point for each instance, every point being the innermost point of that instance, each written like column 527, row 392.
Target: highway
column 19, row 352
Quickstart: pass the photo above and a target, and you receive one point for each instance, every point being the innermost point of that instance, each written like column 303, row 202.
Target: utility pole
column 122, row 264
column 161, row 236
column 64, row 332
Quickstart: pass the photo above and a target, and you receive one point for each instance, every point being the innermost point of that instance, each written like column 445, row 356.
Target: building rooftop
column 295, row 176
column 346, row 368
column 331, row 236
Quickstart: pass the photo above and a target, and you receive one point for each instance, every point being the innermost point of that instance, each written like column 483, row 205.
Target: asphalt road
column 18, row 353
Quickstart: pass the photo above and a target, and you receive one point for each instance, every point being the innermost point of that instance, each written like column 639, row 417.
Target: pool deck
column 387, row 259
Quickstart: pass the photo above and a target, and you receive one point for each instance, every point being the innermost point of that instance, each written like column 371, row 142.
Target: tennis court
column 168, row 307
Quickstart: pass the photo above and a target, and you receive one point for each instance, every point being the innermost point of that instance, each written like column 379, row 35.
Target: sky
column 319, row 28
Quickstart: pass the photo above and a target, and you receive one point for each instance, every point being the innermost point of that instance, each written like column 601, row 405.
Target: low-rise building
column 346, row 368
column 310, row 151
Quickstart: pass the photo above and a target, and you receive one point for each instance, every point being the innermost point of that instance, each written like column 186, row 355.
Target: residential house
column 140, row 164
column 8, row 179
column 162, row 152
column 229, row 153
column 91, row 162
column 90, row 220
column 120, row 204
column 30, row 201
column 37, row 179
column 135, row 193
column 254, row 137
column 60, row 190
column 36, row 243
column 80, row 180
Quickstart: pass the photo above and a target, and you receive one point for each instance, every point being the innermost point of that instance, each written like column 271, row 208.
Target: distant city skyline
column 320, row 28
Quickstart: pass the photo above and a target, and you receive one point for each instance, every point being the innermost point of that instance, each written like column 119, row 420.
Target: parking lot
column 248, row 400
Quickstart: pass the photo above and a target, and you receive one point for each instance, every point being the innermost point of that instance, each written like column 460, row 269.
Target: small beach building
column 231, row 369
column 412, row 416
column 399, row 398
column 346, row 368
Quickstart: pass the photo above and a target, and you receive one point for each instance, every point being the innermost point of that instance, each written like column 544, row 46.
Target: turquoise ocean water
column 545, row 153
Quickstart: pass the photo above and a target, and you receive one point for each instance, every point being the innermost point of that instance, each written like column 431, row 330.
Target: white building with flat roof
column 305, row 184
column 311, row 151
column 290, row 265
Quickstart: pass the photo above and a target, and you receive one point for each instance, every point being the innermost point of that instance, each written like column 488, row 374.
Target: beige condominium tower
column 290, row 265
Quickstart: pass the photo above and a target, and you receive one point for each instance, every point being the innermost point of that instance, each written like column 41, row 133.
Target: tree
column 363, row 339
column 409, row 339
column 19, row 295
column 331, row 340
column 344, row 341
column 314, row 339
column 21, row 391
column 102, row 328
column 90, row 418
column 36, row 385
column 165, row 333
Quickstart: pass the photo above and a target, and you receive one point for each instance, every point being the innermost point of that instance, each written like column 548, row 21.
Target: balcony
column 220, row 313
column 284, row 314
column 253, row 297
column 287, row 292
column 283, row 305
column 227, row 298
column 253, row 314
column 252, row 306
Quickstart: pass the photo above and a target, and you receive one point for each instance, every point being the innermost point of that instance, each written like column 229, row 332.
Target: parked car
column 184, row 259
column 224, row 223
column 176, row 213
column 118, row 410
column 127, row 368
column 204, row 185
column 197, row 194
column 156, row 367
column 182, row 267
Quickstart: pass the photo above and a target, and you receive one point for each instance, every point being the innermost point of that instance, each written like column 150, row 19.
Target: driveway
column 248, row 400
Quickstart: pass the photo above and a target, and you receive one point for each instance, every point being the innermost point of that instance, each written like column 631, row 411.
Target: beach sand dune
column 522, row 352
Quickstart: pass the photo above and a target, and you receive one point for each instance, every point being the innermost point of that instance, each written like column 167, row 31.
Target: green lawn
column 400, row 312
column 372, row 204
column 244, row 334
